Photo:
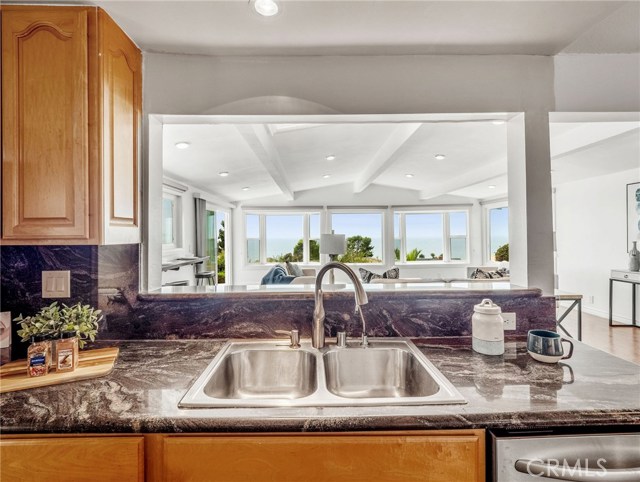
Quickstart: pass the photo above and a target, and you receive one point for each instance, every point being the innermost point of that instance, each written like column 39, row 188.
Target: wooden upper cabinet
column 71, row 110
column 45, row 143
column 121, row 88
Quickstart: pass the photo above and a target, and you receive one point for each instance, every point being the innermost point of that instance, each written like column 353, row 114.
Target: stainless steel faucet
column 317, row 335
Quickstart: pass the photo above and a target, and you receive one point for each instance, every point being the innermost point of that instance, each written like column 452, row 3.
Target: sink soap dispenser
column 487, row 328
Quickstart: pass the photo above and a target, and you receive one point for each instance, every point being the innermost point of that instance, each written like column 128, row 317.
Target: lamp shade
column 333, row 244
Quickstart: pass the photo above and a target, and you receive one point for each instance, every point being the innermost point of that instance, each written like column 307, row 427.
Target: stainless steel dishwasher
column 603, row 457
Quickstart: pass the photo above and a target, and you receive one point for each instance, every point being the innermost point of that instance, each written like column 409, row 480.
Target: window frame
column 176, row 198
column 383, row 233
column 262, row 233
column 446, row 235
column 228, row 234
column 486, row 229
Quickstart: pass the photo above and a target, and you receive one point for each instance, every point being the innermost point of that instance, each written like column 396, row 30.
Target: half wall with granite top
column 107, row 276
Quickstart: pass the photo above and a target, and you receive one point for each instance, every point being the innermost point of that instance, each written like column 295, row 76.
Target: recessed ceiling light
column 331, row 158
column 246, row 188
column 266, row 8
column 223, row 174
column 498, row 122
column 182, row 145
column 408, row 175
column 491, row 186
column 327, row 176
column 440, row 157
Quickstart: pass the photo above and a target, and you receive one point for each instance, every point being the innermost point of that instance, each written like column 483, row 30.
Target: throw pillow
column 293, row 269
column 481, row 274
column 393, row 273
column 367, row 276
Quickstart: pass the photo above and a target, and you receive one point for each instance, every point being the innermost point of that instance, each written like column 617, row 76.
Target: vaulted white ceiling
column 281, row 162
column 379, row 27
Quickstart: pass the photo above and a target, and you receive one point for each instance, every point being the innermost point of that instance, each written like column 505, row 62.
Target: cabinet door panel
column 45, row 159
column 363, row 457
column 121, row 77
column 79, row 459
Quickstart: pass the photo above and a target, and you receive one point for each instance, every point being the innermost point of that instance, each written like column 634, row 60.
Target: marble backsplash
column 107, row 277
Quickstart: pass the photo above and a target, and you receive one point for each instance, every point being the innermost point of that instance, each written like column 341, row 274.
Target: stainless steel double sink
column 259, row 373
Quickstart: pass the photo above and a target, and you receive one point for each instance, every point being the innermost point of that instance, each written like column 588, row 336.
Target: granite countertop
column 513, row 391
column 453, row 289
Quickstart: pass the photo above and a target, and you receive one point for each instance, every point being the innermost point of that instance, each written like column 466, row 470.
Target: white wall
column 194, row 84
column 597, row 83
column 592, row 240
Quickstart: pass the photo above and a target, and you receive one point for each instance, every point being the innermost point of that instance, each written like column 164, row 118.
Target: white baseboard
column 592, row 310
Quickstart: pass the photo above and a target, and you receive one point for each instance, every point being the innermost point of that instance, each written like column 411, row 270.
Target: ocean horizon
column 278, row 246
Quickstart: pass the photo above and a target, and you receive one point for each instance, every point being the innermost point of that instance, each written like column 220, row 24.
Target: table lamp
column 333, row 245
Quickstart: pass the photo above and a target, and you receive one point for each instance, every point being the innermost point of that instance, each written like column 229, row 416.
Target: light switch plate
column 56, row 284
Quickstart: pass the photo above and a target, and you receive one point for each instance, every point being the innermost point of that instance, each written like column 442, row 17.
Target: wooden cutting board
column 92, row 364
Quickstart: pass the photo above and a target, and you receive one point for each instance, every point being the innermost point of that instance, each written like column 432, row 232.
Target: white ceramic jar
column 487, row 328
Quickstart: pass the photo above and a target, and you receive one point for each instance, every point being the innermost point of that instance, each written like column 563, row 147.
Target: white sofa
column 435, row 280
column 308, row 278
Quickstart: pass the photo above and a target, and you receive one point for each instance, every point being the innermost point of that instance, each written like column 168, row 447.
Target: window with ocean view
column 363, row 232
column 498, row 229
column 290, row 237
column 431, row 236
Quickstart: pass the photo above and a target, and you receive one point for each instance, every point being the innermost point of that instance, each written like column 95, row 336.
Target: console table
column 629, row 277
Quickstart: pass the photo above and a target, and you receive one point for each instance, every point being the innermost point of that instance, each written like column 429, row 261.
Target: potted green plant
column 53, row 320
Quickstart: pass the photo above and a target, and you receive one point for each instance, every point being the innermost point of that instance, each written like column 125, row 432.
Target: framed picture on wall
column 633, row 213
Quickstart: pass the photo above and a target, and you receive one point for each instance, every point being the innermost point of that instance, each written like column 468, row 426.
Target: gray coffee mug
column 546, row 346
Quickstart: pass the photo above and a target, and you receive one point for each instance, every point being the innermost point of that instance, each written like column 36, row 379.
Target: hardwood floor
column 623, row 342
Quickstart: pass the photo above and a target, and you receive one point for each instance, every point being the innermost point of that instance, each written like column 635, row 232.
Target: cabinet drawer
column 625, row 275
column 442, row 456
column 72, row 458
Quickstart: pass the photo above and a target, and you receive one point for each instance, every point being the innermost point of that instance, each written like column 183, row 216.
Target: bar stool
column 205, row 277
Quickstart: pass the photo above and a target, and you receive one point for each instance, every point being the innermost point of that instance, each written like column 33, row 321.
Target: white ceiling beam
column 465, row 179
column 588, row 135
column 260, row 141
column 572, row 145
column 386, row 156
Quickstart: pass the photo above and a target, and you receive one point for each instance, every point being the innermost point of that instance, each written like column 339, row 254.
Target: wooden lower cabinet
column 425, row 456
column 77, row 458
column 448, row 456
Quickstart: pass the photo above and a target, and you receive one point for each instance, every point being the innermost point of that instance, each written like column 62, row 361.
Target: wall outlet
column 56, row 284
column 509, row 321
column 591, row 299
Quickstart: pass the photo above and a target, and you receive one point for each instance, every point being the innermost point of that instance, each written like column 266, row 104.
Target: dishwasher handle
column 538, row 468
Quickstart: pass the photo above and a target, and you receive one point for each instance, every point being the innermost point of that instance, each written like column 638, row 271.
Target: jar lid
column 487, row 307
column 68, row 334
column 39, row 338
